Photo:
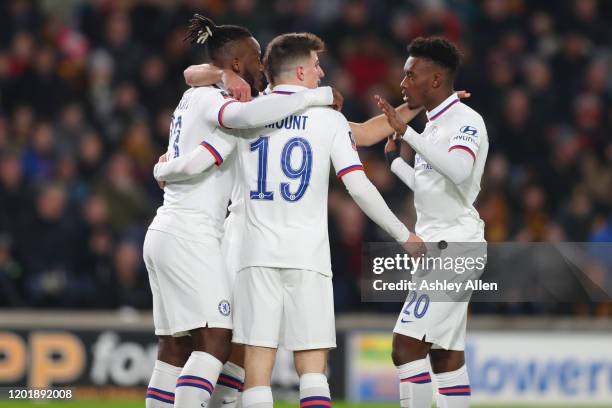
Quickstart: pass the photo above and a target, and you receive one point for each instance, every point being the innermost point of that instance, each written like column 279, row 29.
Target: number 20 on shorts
column 416, row 305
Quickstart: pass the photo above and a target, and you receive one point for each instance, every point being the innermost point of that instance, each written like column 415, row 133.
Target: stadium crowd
column 87, row 89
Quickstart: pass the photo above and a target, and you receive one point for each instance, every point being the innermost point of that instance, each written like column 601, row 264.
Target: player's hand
column 162, row 159
column 463, row 94
column 338, row 100
column 392, row 148
column 415, row 245
column 395, row 121
column 236, row 86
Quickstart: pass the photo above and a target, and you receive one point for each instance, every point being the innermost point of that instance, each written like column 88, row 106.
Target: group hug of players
column 227, row 291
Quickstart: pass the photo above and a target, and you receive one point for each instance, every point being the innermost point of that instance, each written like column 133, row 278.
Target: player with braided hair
column 222, row 42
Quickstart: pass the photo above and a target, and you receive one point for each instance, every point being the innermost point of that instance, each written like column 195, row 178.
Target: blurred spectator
column 127, row 201
column 542, row 95
column 433, row 18
column 366, row 64
column 518, row 136
column 350, row 26
column 155, row 91
column 39, row 157
column 100, row 95
column 577, row 218
column 121, row 46
column 349, row 223
column 583, row 17
column 45, row 246
column 95, row 246
column 41, row 86
column 535, row 217
column 543, row 37
column 15, row 198
column 568, row 67
column 138, row 145
column 497, row 18
column 130, row 280
column 127, row 109
column 71, row 126
column 11, row 276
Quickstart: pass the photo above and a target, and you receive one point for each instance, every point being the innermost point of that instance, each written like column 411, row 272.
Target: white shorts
column 293, row 308
column 442, row 324
column 434, row 316
column 188, row 282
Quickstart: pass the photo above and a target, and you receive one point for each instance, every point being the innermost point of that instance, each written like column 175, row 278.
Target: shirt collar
column 443, row 107
column 286, row 89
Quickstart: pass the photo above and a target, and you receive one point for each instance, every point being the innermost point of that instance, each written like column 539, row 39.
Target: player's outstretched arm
column 271, row 108
column 371, row 202
column 208, row 74
column 350, row 170
column 376, row 129
column 373, row 205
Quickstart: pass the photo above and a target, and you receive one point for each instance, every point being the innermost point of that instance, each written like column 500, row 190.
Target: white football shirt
column 284, row 171
column 195, row 208
column 445, row 210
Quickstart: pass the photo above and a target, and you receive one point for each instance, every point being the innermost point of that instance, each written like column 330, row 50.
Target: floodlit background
column 86, row 92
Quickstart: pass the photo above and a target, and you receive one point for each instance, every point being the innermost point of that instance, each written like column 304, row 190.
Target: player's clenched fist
column 415, row 246
column 395, row 121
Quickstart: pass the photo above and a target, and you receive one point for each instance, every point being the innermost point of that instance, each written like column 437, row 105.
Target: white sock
column 197, row 380
column 160, row 393
column 257, row 397
column 415, row 384
column 314, row 391
column 229, row 386
column 453, row 389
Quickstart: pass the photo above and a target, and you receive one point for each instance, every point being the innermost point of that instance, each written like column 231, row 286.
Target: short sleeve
column 467, row 137
column 220, row 144
column 344, row 150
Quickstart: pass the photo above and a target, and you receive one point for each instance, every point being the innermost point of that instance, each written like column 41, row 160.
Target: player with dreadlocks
column 182, row 250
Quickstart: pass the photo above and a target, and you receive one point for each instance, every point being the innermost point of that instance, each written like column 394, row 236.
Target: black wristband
column 395, row 153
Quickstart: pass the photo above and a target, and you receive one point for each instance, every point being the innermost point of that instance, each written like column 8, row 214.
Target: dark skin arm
column 378, row 128
column 395, row 121
column 207, row 74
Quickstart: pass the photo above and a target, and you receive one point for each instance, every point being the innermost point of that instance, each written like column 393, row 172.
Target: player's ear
column 299, row 72
column 437, row 80
column 236, row 66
